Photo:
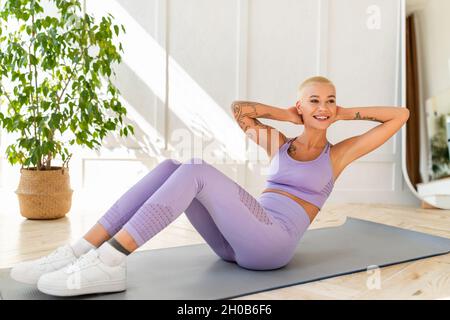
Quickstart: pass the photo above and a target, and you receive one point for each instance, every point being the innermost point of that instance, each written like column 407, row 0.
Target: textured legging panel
column 126, row 206
column 234, row 224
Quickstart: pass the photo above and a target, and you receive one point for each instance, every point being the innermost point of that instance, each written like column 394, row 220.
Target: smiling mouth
column 321, row 118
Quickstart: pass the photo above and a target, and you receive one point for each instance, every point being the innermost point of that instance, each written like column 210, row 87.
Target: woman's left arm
column 391, row 119
column 379, row 114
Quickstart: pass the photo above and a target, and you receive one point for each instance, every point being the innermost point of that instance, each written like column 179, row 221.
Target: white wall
column 364, row 64
column 187, row 60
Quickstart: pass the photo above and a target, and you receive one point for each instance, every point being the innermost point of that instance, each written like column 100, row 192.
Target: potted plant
column 55, row 90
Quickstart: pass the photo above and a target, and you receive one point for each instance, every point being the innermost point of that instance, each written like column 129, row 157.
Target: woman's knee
column 171, row 162
column 195, row 166
column 195, row 161
column 167, row 166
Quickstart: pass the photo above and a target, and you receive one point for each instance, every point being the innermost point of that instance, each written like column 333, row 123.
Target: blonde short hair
column 316, row 79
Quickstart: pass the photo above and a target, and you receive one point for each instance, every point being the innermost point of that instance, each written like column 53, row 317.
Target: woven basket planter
column 44, row 194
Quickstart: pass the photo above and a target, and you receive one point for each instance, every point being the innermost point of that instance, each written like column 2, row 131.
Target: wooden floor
column 22, row 239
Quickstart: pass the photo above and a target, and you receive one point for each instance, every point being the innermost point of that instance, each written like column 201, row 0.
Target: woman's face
column 318, row 100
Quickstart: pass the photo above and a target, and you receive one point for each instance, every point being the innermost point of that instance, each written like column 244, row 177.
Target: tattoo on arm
column 248, row 109
column 250, row 123
column 261, row 125
column 359, row 117
column 239, row 112
column 246, row 115
column 247, row 118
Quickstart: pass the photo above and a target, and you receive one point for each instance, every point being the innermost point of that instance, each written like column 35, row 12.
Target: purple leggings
column 256, row 234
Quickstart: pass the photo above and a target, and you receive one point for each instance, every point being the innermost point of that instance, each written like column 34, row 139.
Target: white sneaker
column 30, row 271
column 86, row 275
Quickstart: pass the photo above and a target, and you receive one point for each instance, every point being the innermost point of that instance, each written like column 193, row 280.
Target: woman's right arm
column 246, row 114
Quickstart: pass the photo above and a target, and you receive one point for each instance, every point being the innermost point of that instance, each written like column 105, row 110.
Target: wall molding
column 242, row 49
column 322, row 37
column 241, row 88
column 161, row 108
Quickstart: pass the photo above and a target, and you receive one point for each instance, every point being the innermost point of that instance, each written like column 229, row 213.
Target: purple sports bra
column 311, row 181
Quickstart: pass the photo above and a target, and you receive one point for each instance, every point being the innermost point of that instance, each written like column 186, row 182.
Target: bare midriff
column 310, row 209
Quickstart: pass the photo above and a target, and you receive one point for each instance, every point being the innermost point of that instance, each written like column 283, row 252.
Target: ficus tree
column 56, row 68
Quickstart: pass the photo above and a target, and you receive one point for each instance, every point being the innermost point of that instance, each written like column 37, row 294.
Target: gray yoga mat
column 195, row 272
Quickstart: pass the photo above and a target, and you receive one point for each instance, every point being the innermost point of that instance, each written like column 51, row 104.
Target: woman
column 257, row 234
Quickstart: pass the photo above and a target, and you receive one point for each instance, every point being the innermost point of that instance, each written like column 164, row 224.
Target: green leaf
column 56, row 83
column 33, row 59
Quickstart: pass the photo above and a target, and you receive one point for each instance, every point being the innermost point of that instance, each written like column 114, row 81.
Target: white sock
column 110, row 255
column 81, row 246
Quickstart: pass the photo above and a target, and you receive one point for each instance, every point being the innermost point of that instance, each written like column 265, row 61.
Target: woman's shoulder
column 283, row 142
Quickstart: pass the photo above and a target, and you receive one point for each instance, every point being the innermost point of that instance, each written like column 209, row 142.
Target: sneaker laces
column 59, row 252
column 83, row 261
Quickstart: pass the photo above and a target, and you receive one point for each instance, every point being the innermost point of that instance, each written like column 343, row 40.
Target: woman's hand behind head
column 294, row 116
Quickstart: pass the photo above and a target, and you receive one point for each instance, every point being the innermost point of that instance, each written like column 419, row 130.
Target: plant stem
column 49, row 155
column 5, row 93
column 33, row 28
column 31, row 93
column 67, row 83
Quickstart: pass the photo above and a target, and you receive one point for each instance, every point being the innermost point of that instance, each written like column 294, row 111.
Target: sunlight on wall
column 188, row 100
